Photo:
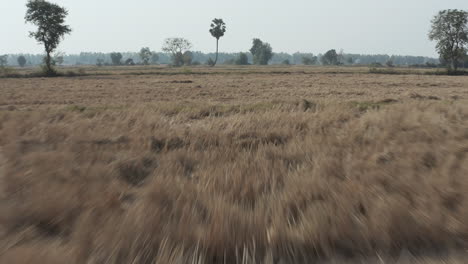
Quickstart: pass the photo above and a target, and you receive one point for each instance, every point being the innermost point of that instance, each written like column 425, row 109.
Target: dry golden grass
column 234, row 168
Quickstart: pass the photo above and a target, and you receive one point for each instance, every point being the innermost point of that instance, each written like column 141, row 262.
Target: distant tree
column 116, row 58
column 242, row 59
column 450, row 30
column 50, row 20
column 390, row 64
column 286, row 62
column 340, row 57
column 3, row 60
column 129, row 61
column 231, row 61
column 218, row 28
column 262, row 52
column 21, row 61
column 330, row 58
column 145, row 55
column 209, row 62
column 350, row 60
column 309, row 60
column 176, row 47
column 187, row 58
column 154, row 58
column 100, row 62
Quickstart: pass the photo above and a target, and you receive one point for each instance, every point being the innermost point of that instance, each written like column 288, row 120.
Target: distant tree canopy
column 217, row 30
column 187, row 58
column 177, row 47
column 50, row 21
column 21, row 61
column 129, row 61
column 116, row 58
column 242, row 59
column 3, row 60
column 154, row 58
column 145, row 55
column 330, row 58
column 100, row 62
column 450, row 30
column 389, row 63
column 90, row 58
column 309, row 60
column 261, row 52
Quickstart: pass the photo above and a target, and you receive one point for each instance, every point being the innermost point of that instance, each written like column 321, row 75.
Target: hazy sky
column 356, row 26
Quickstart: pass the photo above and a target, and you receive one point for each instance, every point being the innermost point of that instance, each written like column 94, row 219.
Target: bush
column 48, row 71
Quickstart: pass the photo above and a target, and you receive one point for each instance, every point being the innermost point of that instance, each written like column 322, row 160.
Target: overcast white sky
column 356, row 26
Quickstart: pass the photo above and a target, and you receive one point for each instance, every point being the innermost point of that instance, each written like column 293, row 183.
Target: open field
column 234, row 165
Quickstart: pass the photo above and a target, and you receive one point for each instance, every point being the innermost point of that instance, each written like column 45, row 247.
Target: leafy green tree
column 262, row 52
column 116, row 58
column 21, row 61
column 242, row 59
column 218, row 28
column 145, row 55
column 176, row 47
column 450, row 30
column 330, row 58
column 3, row 60
column 51, row 29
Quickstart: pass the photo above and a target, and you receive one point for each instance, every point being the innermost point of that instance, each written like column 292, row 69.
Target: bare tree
column 177, row 47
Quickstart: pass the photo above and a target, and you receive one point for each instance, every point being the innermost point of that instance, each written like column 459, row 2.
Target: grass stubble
column 245, row 181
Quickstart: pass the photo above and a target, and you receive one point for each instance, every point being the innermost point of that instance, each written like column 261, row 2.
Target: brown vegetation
column 290, row 168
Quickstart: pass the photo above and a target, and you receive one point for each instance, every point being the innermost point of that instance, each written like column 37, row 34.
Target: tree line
column 449, row 28
column 236, row 58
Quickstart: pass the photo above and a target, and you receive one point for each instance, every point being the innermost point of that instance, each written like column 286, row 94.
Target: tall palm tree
column 218, row 28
